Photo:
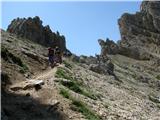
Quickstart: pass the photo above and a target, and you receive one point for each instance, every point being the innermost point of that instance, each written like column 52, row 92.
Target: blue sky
column 82, row 23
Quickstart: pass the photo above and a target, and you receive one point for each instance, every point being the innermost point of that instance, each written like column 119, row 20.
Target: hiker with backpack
column 55, row 56
column 58, row 55
column 51, row 54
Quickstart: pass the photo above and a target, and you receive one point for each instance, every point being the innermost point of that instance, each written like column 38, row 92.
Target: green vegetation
column 85, row 110
column 79, row 106
column 158, row 77
column 61, row 73
column 64, row 93
column 67, row 64
column 154, row 99
column 6, row 55
column 23, row 69
column 89, row 94
column 73, row 85
column 76, row 88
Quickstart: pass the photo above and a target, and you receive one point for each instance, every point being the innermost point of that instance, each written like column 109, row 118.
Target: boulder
column 97, row 68
column 104, row 68
column 32, row 83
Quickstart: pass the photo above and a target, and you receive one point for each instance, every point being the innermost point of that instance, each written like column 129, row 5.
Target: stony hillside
column 113, row 85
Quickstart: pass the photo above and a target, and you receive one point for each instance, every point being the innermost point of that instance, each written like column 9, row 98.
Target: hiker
column 58, row 55
column 51, row 55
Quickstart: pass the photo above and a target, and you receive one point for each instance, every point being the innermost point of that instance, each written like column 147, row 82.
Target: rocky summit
column 32, row 29
column 120, row 83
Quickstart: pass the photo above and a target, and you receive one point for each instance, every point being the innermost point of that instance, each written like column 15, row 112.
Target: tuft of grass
column 73, row 85
column 8, row 56
column 79, row 106
column 85, row 110
column 22, row 71
column 64, row 93
column 154, row 99
column 158, row 77
column 90, row 95
column 61, row 73
column 68, row 65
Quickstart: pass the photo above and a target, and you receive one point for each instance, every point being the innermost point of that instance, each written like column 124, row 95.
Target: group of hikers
column 54, row 55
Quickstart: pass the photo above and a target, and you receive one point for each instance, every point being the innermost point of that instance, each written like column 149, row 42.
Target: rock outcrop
column 140, row 32
column 105, row 68
column 32, row 29
column 108, row 47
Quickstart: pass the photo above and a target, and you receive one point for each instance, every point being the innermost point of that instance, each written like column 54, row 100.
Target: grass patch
column 68, row 65
column 8, row 56
column 23, row 69
column 158, row 77
column 79, row 106
column 73, row 85
column 154, row 99
column 90, row 95
column 76, row 88
column 64, row 93
column 61, row 73
column 85, row 110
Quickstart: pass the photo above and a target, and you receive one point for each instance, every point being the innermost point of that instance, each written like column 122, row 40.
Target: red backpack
column 50, row 51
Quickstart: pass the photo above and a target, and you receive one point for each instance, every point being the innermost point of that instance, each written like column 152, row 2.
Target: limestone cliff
column 140, row 32
column 32, row 29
